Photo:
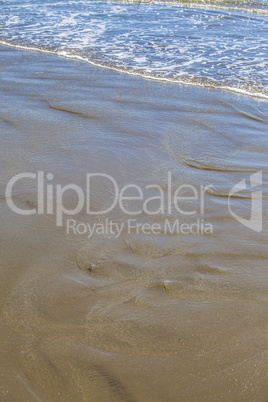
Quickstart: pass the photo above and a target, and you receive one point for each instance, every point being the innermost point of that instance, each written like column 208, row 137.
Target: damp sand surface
column 140, row 316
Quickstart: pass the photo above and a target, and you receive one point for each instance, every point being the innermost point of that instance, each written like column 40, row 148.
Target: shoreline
column 71, row 56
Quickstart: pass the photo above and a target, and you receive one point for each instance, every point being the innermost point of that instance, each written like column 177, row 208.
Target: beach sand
column 140, row 316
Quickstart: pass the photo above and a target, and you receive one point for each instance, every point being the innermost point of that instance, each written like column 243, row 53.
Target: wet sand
column 138, row 317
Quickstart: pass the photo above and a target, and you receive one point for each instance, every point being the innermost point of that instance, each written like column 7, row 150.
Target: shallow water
column 218, row 44
column 140, row 316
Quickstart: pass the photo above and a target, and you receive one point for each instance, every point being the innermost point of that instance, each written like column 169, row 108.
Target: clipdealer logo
column 50, row 198
column 255, row 220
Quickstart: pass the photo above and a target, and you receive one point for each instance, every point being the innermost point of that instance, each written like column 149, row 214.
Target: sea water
column 220, row 44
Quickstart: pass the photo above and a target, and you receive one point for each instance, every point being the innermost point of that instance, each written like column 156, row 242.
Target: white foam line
column 24, row 47
column 244, row 92
column 205, row 5
column 62, row 53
